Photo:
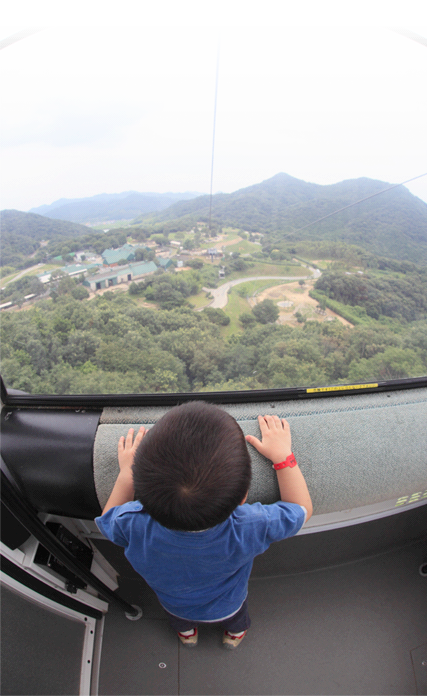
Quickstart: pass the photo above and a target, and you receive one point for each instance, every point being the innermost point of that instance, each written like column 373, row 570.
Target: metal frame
column 87, row 663
column 74, row 401
column 97, row 401
column 365, row 513
column 24, row 512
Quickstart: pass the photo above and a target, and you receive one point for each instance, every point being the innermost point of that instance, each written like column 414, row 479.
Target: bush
column 247, row 319
column 216, row 316
column 266, row 312
column 80, row 293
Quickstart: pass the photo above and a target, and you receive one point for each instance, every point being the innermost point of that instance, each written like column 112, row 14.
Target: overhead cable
column 213, row 137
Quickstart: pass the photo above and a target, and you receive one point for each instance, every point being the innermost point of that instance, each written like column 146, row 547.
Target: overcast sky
column 127, row 103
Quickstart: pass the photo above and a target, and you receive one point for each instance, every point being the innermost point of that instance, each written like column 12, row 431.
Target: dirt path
column 301, row 302
column 220, row 294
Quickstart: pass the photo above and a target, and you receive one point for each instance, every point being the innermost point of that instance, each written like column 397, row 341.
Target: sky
column 110, row 97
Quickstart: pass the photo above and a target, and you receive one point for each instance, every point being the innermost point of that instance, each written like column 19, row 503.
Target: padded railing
column 354, row 451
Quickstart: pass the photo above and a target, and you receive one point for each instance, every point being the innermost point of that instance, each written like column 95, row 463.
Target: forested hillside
column 391, row 224
column 21, row 234
column 403, row 298
column 112, row 345
column 302, row 309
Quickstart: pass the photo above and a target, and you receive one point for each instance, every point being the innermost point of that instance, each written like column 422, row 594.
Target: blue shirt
column 200, row 576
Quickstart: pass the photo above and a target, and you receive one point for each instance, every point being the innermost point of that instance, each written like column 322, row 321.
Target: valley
column 170, row 303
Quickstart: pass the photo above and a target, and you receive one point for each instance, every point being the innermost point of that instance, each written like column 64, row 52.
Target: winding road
column 24, row 272
column 220, row 294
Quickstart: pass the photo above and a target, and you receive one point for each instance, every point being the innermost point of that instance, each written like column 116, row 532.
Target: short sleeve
column 113, row 523
column 284, row 520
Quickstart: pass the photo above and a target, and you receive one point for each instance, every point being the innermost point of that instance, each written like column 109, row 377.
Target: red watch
column 289, row 461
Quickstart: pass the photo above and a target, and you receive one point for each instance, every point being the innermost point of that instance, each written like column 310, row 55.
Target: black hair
column 192, row 468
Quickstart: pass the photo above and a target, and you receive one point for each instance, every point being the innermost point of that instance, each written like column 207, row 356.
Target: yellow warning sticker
column 414, row 498
column 341, row 388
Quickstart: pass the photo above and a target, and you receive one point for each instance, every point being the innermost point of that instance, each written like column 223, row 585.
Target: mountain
column 22, row 232
column 392, row 224
column 106, row 207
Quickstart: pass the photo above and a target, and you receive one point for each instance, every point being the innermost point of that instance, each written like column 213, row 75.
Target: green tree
column 216, row 316
column 188, row 244
column 160, row 239
column 266, row 312
column 247, row 319
column 196, row 264
column 80, row 293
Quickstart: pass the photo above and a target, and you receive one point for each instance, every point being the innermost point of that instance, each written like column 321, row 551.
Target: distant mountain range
column 110, row 206
column 392, row 224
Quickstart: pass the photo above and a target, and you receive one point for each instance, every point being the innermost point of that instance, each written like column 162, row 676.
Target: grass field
column 110, row 225
column 45, row 267
column 265, row 269
column 254, row 287
column 33, row 272
column 199, row 300
column 243, row 247
column 8, row 278
column 236, row 305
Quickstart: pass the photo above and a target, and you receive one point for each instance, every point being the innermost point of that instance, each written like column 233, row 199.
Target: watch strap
column 288, row 462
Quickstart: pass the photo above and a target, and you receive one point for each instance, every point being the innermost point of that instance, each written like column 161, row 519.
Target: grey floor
column 355, row 628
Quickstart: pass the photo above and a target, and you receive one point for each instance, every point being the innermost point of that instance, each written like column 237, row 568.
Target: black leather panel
column 50, row 454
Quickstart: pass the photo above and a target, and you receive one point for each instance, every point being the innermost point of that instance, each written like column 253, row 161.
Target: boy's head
column 192, row 468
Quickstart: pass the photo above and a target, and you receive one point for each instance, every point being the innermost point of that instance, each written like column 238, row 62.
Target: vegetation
column 111, row 345
column 393, row 223
column 266, row 312
column 404, row 298
column 154, row 338
column 23, row 232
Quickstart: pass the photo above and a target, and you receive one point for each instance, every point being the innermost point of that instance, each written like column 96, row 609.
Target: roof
column 134, row 268
column 164, row 262
column 142, row 268
column 76, row 268
column 111, row 273
column 114, row 255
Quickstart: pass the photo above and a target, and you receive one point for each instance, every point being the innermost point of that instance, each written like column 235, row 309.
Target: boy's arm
column 276, row 446
column 123, row 490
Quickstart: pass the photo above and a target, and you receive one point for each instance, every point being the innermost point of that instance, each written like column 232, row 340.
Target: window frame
column 22, row 400
column 15, row 399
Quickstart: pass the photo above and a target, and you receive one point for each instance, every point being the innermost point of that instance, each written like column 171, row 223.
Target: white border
column 87, row 662
column 366, row 513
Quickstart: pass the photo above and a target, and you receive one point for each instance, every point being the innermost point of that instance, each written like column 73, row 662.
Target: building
column 111, row 257
column 118, row 275
column 165, row 263
column 75, row 270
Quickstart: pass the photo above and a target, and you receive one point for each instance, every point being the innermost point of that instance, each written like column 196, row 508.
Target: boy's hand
column 127, row 448
column 276, row 438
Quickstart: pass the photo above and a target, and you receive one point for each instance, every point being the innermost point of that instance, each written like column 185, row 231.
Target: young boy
column 178, row 508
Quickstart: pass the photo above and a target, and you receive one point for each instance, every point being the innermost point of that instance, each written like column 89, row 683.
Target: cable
column 403, row 32
column 213, row 137
column 13, row 38
column 356, row 202
column 411, row 35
